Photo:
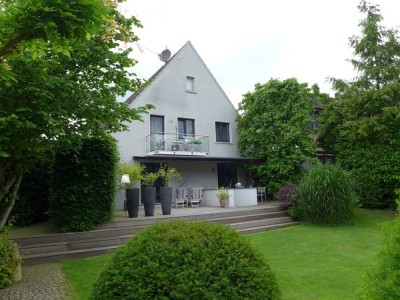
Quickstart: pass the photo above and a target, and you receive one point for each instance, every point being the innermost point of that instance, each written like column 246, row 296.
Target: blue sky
column 249, row 42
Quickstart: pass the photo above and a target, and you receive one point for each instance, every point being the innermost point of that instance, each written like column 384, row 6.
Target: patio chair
column 182, row 197
column 196, row 198
column 261, row 194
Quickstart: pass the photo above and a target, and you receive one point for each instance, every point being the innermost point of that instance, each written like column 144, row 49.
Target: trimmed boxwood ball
column 326, row 196
column 187, row 260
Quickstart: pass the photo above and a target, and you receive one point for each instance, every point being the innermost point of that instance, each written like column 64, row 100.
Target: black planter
column 149, row 201
column 166, row 200
column 132, row 202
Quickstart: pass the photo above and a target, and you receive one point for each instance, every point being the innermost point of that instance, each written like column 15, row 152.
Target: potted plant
column 195, row 145
column 167, row 175
column 223, row 196
column 149, row 193
column 130, row 175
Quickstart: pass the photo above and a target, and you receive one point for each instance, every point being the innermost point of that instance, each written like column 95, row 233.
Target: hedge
column 84, row 185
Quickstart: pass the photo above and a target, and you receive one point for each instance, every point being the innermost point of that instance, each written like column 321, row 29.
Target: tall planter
column 132, row 202
column 222, row 202
column 149, row 201
column 166, row 200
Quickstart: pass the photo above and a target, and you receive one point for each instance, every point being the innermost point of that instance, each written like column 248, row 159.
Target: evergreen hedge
column 326, row 196
column 84, row 185
column 187, row 260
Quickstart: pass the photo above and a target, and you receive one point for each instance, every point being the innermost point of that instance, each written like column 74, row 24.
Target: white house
column 192, row 127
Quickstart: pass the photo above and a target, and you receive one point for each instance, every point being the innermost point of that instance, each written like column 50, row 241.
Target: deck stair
column 107, row 237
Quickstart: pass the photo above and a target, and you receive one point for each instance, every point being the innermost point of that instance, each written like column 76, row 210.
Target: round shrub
column 187, row 260
column 9, row 260
column 287, row 195
column 326, row 196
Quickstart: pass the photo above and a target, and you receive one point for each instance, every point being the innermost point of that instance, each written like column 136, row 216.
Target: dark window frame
column 185, row 133
column 220, row 136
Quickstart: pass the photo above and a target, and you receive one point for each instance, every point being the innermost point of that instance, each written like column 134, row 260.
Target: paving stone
column 44, row 281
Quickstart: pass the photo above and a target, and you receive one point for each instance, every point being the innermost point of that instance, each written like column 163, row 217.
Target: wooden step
column 63, row 255
column 260, row 223
column 265, row 228
column 109, row 237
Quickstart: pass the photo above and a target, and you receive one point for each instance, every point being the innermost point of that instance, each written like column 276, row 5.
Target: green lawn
column 311, row 262
column 82, row 274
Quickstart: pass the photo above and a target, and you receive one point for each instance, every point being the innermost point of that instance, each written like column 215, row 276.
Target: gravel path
column 39, row 282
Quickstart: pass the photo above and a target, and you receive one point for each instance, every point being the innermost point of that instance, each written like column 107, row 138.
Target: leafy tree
column 361, row 125
column 272, row 128
column 59, row 97
column 42, row 25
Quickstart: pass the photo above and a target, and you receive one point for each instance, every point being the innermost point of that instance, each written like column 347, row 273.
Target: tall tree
column 272, row 128
column 361, row 125
column 60, row 94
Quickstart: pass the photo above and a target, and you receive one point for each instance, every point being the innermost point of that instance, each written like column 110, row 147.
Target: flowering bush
column 288, row 194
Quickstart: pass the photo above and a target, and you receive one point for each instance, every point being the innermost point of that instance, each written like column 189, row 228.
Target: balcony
column 177, row 144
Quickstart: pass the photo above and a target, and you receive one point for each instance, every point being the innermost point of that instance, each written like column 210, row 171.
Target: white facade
column 185, row 93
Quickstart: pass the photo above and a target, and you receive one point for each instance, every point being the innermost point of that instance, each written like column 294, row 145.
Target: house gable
column 184, row 89
column 186, row 58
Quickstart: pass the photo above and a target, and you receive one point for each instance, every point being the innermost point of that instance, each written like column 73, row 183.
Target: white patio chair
column 261, row 194
column 182, row 197
column 196, row 198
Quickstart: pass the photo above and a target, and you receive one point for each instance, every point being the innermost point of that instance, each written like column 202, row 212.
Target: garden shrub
column 326, row 195
column 288, row 194
column 84, row 186
column 187, row 260
column 9, row 260
column 375, row 170
column 373, row 187
column 384, row 283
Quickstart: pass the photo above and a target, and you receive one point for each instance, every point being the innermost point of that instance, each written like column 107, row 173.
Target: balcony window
column 222, row 132
column 190, row 84
column 185, row 128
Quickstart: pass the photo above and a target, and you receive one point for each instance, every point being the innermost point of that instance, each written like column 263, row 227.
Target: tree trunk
column 9, row 186
column 13, row 195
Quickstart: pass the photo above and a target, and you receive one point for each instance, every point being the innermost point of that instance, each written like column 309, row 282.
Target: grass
column 83, row 273
column 311, row 262
column 316, row 262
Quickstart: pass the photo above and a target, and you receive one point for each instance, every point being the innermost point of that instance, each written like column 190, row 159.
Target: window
column 222, row 132
column 156, row 124
column 185, row 127
column 190, row 84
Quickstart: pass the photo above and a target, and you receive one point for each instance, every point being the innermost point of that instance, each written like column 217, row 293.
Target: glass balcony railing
column 178, row 144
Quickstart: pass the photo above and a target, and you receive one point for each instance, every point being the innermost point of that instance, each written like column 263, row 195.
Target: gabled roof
column 138, row 92
column 132, row 97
